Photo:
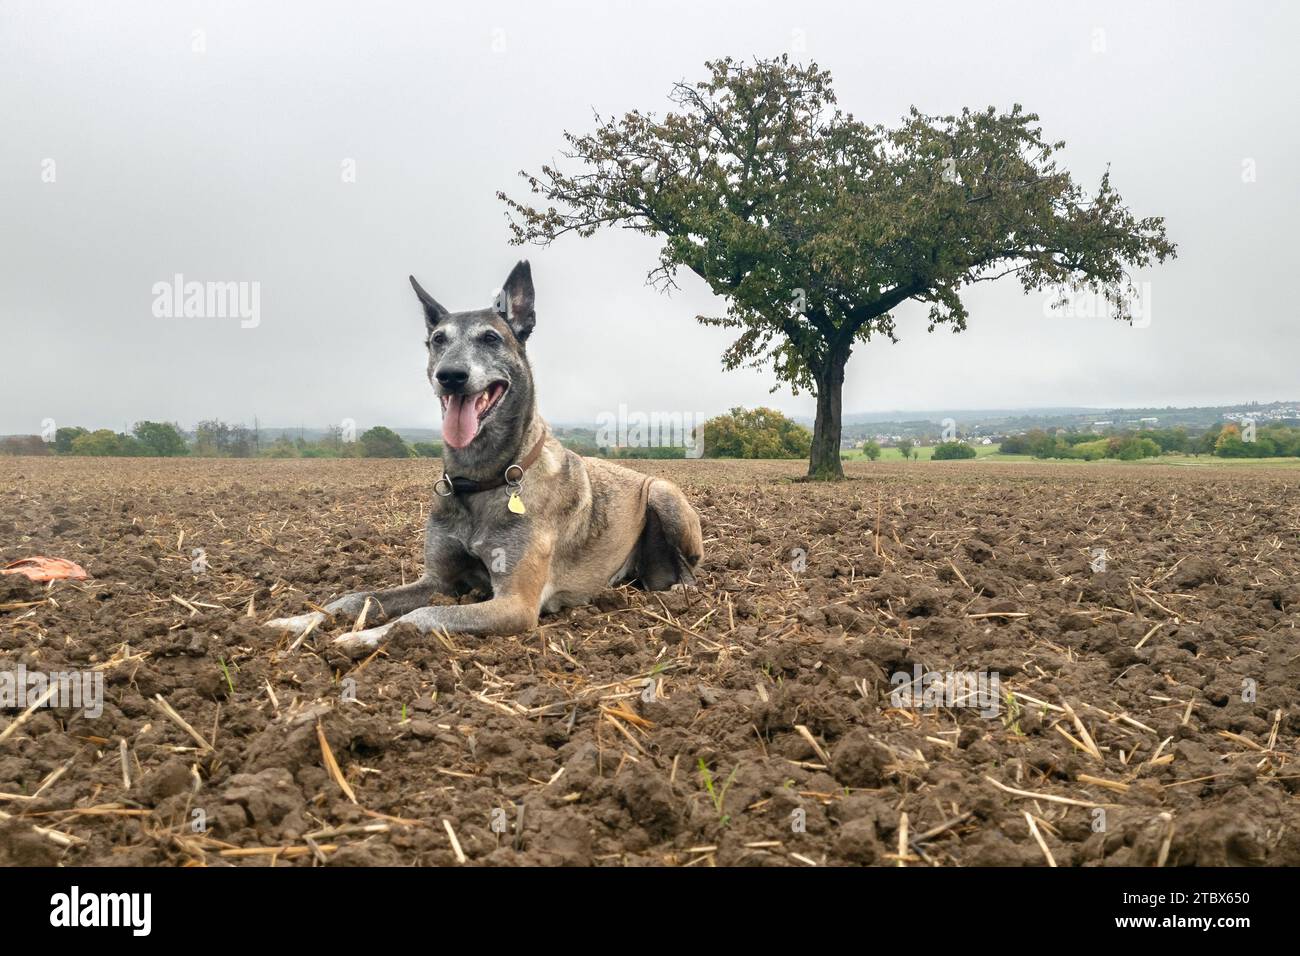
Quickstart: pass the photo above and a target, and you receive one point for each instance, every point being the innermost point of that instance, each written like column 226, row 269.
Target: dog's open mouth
column 462, row 415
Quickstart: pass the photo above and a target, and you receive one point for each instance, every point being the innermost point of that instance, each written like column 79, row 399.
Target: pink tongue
column 460, row 420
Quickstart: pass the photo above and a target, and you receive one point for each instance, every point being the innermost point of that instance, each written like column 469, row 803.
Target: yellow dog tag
column 516, row 504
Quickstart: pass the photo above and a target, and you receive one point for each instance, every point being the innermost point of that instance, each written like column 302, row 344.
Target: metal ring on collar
column 444, row 480
column 514, row 481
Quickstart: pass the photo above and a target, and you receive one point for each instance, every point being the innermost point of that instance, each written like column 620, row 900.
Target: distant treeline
column 741, row 433
column 1224, row 440
column 216, row 439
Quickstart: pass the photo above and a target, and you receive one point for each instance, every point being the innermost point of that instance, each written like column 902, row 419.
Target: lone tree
column 815, row 226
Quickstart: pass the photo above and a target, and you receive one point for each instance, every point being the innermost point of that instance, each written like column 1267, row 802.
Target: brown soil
column 773, row 675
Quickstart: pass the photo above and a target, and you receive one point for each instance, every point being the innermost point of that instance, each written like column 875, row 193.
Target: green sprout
column 1012, row 718
column 226, row 670
column 718, row 796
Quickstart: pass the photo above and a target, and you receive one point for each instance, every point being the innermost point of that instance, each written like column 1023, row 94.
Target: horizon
column 858, row 418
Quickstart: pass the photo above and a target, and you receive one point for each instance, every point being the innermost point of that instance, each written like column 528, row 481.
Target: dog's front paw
column 358, row 643
column 350, row 605
column 299, row 623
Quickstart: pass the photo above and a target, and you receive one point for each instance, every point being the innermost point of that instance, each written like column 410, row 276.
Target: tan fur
column 587, row 523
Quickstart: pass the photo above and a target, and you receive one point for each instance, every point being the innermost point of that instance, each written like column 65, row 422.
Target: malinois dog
column 515, row 512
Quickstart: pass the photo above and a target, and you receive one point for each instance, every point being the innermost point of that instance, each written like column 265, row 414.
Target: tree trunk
column 824, row 460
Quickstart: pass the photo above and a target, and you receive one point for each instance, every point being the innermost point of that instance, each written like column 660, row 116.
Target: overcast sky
column 216, row 140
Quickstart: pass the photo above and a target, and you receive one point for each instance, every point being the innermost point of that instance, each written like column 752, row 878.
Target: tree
column 162, row 439
column 815, row 226
column 1171, row 439
column 64, row 437
column 906, row 447
column 428, row 449
column 381, row 442
column 282, row 447
column 1228, row 442
column 755, row 433
column 211, row 437
column 952, row 451
column 107, row 443
column 1204, row 444
column 871, row 450
column 215, row 437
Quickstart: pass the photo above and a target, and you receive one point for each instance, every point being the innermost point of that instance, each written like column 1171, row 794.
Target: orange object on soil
column 46, row 569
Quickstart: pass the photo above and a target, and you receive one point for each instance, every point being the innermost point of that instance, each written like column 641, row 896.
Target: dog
column 515, row 512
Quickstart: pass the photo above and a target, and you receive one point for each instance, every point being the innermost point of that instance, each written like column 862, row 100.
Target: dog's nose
column 452, row 377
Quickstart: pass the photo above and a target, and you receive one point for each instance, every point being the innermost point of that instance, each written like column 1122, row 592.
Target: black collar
column 511, row 476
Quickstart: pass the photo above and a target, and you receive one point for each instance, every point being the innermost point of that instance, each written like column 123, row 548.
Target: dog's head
column 478, row 367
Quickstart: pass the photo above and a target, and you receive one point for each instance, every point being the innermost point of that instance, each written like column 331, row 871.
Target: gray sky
column 220, row 155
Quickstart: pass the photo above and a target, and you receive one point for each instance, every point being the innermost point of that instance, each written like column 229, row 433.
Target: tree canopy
column 755, row 433
column 815, row 226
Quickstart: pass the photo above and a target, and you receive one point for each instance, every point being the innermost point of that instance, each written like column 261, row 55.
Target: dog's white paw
column 299, row 623
column 359, row 643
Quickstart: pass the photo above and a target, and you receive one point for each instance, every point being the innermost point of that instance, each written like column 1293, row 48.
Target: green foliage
column 225, row 670
column 907, row 448
column 1134, row 447
column 814, row 226
column 283, row 447
column 428, row 449
column 755, row 433
column 1018, row 444
column 160, row 439
column 871, row 450
column 214, row 438
column 105, row 442
column 1083, row 446
column 1204, row 445
column 1086, row 450
column 951, row 451
column 1170, row 440
column 381, row 442
column 1268, row 441
column 64, row 437
column 717, row 795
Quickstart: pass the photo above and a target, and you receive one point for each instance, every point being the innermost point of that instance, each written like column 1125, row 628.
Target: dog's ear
column 433, row 312
column 515, row 303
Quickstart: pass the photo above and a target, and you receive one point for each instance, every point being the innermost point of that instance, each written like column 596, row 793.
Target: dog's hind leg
column 671, row 543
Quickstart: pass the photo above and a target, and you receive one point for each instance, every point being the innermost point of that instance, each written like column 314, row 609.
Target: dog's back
column 624, row 525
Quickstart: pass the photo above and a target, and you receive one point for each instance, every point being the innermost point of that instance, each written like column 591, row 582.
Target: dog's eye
column 439, row 338
column 489, row 338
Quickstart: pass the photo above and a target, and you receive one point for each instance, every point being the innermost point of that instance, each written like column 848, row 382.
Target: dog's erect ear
column 433, row 312
column 515, row 303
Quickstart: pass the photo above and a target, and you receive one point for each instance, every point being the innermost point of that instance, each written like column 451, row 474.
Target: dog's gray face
column 479, row 369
